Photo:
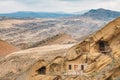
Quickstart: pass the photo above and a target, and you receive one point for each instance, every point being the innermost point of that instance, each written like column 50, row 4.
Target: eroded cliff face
column 18, row 65
column 98, row 67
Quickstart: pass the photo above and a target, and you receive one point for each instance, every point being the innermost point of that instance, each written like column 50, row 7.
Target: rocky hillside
column 56, row 39
column 35, row 30
column 16, row 63
column 25, row 64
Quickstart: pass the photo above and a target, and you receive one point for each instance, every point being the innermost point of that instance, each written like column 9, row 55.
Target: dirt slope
column 6, row 48
column 56, row 39
column 11, row 23
column 62, row 39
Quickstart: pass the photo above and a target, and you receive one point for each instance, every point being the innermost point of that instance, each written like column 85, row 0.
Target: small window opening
column 70, row 67
column 82, row 67
column 102, row 46
column 42, row 70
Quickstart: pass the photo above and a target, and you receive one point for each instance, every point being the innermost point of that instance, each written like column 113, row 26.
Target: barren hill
column 61, row 38
column 11, row 22
column 102, row 14
column 33, row 31
column 6, row 48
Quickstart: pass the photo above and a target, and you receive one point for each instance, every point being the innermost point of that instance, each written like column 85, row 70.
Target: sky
column 68, row 6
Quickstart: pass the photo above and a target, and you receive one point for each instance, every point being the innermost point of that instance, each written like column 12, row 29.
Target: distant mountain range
column 36, row 15
column 94, row 13
column 102, row 14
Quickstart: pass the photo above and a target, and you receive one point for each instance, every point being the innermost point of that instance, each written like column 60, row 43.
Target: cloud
column 56, row 5
column 11, row 6
column 69, row 0
column 86, row 0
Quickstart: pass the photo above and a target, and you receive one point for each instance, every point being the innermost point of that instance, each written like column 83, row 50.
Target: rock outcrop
column 18, row 65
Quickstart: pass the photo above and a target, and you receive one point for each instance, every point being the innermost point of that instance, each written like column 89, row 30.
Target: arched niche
column 55, row 67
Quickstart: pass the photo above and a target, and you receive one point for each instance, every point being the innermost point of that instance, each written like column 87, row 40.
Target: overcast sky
column 7, row 6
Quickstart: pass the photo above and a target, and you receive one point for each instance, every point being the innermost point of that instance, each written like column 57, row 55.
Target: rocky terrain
column 17, row 63
column 61, row 38
column 54, row 44
column 25, row 64
column 30, row 32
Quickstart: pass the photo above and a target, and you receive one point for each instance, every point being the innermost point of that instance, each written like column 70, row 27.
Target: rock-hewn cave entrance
column 42, row 70
column 103, row 46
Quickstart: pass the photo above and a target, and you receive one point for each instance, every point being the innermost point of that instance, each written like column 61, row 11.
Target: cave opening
column 103, row 46
column 42, row 70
